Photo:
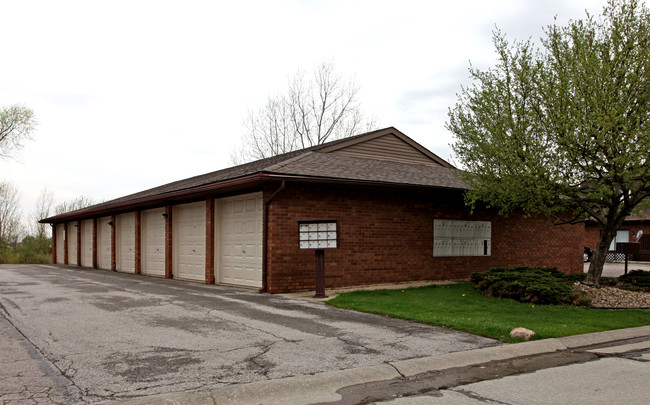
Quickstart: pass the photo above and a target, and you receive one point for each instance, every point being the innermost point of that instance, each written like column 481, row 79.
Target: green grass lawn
column 461, row 307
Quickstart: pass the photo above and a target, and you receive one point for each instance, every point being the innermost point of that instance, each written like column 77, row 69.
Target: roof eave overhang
column 353, row 182
column 158, row 200
column 243, row 183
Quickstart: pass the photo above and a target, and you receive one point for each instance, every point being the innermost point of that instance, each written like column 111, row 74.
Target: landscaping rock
column 611, row 297
column 521, row 333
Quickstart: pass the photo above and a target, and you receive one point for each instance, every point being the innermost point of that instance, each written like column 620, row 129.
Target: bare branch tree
column 43, row 207
column 16, row 126
column 11, row 227
column 311, row 112
column 75, row 204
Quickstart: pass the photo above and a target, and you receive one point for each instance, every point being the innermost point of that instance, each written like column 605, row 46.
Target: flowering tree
column 563, row 129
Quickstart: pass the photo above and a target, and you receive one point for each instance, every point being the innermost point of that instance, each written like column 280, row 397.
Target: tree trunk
column 600, row 254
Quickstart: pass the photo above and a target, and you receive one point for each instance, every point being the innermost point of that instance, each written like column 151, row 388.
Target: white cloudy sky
column 134, row 94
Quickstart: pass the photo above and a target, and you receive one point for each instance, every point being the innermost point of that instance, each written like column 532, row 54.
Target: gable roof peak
column 387, row 143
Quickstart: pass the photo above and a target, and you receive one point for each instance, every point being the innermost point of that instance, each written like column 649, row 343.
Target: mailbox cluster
column 461, row 238
column 318, row 235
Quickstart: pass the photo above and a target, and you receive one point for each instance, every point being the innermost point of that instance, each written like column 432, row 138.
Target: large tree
column 16, row 126
column 11, row 227
column 562, row 128
column 312, row 111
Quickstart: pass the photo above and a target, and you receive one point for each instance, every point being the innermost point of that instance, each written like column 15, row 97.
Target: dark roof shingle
column 324, row 165
column 304, row 163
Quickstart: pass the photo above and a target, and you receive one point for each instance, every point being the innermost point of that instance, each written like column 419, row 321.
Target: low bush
column 636, row 280
column 528, row 284
column 30, row 251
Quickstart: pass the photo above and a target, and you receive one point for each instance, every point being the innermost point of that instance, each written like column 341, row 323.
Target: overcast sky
column 134, row 94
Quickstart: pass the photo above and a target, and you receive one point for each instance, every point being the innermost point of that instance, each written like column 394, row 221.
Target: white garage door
column 87, row 243
column 72, row 243
column 60, row 243
column 188, row 243
column 153, row 242
column 241, row 240
column 104, row 243
column 125, row 242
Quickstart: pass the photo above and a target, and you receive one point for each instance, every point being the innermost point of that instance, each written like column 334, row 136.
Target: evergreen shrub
column 528, row 284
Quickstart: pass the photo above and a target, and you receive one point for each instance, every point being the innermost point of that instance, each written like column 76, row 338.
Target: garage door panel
column 60, row 243
column 87, row 243
column 104, row 243
column 241, row 240
column 72, row 243
column 153, row 242
column 251, row 205
column 125, row 243
column 251, row 227
column 189, row 241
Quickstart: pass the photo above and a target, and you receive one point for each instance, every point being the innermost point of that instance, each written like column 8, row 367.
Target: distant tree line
column 23, row 239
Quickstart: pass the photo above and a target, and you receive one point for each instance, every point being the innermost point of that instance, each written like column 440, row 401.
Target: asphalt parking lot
column 79, row 335
column 617, row 269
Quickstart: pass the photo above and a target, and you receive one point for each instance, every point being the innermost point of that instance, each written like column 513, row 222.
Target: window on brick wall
column 461, row 238
column 622, row 235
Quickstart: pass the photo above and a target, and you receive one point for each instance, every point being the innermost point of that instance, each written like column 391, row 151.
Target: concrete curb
column 322, row 387
column 608, row 336
column 411, row 367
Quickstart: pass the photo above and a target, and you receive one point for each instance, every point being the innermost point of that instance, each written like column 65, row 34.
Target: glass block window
column 461, row 238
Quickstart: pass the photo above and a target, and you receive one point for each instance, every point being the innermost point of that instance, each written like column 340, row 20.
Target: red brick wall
column 592, row 232
column 388, row 237
column 592, row 235
column 635, row 227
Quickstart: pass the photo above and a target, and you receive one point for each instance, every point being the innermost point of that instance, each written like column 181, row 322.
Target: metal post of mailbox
column 318, row 235
column 320, row 274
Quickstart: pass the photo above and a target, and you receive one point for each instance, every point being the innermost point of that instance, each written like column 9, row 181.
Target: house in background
column 381, row 207
column 628, row 232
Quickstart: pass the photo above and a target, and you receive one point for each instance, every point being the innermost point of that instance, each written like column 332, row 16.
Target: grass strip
column 461, row 307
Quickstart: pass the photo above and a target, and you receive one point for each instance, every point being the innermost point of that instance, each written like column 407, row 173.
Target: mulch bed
column 612, row 297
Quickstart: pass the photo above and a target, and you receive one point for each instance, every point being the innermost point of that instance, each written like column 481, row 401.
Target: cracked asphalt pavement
column 72, row 335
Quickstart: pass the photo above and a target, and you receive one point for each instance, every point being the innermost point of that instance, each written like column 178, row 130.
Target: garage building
column 378, row 207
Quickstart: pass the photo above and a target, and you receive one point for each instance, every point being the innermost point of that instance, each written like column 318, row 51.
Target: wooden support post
column 79, row 243
column 94, row 259
column 54, row 241
column 65, row 243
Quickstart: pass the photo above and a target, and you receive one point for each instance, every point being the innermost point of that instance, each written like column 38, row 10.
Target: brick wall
column 635, row 227
column 388, row 237
column 592, row 232
column 592, row 235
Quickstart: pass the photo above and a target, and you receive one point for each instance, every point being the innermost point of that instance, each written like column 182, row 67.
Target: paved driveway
column 617, row 269
column 113, row 335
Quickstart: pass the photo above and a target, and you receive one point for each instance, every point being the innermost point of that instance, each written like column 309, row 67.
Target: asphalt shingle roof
column 305, row 163
column 332, row 166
